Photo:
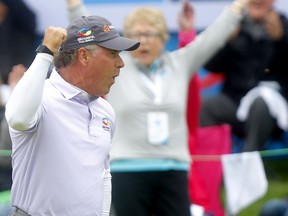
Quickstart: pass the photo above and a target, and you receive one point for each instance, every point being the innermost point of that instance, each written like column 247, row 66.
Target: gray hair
column 64, row 58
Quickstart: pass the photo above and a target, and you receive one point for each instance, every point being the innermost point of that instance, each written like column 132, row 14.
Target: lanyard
column 155, row 86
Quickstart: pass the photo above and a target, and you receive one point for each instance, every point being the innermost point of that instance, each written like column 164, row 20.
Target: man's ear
column 83, row 55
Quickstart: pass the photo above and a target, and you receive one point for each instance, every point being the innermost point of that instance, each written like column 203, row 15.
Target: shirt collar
column 68, row 90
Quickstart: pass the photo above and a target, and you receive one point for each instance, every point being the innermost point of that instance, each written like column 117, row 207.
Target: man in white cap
column 61, row 128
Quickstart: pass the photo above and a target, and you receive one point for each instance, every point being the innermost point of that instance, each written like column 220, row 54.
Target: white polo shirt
column 59, row 164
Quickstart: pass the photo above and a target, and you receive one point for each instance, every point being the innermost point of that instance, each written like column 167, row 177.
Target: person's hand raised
column 274, row 25
column 3, row 12
column 238, row 6
column 54, row 37
column 186, row 16
column 72, row 3
column 243, row 3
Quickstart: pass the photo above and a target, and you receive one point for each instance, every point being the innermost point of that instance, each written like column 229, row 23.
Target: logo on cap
column 107, row 28
column 84, row 32
column 85, row 35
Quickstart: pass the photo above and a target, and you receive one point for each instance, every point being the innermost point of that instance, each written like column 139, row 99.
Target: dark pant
column 162, row 193
column 259, row 126
column 221, row 109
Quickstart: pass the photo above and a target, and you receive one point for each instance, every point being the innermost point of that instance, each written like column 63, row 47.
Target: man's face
column 103, row 66
column 258, row 9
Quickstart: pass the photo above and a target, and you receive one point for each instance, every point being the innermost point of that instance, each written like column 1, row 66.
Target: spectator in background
column 186, row 34
column 17, row 46
column 18, row 36
column 257, row 51
column 275, row 207
column 5, row 141
column 75, row 9
column 150, row 157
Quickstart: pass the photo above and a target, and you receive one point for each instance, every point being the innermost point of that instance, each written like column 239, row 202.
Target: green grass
column 277, row 174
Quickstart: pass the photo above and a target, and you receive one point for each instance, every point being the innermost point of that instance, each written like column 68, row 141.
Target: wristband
column 44, row 49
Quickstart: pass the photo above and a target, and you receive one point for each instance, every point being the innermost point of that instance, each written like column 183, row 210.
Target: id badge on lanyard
column 157, row 121
column 158, row 128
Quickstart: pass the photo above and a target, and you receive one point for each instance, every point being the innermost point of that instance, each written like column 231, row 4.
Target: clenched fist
column 54, row 37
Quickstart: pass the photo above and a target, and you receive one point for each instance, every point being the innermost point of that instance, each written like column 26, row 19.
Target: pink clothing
column 202, row 191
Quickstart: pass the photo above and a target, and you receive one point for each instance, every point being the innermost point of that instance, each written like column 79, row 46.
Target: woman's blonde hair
column 147, row 15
